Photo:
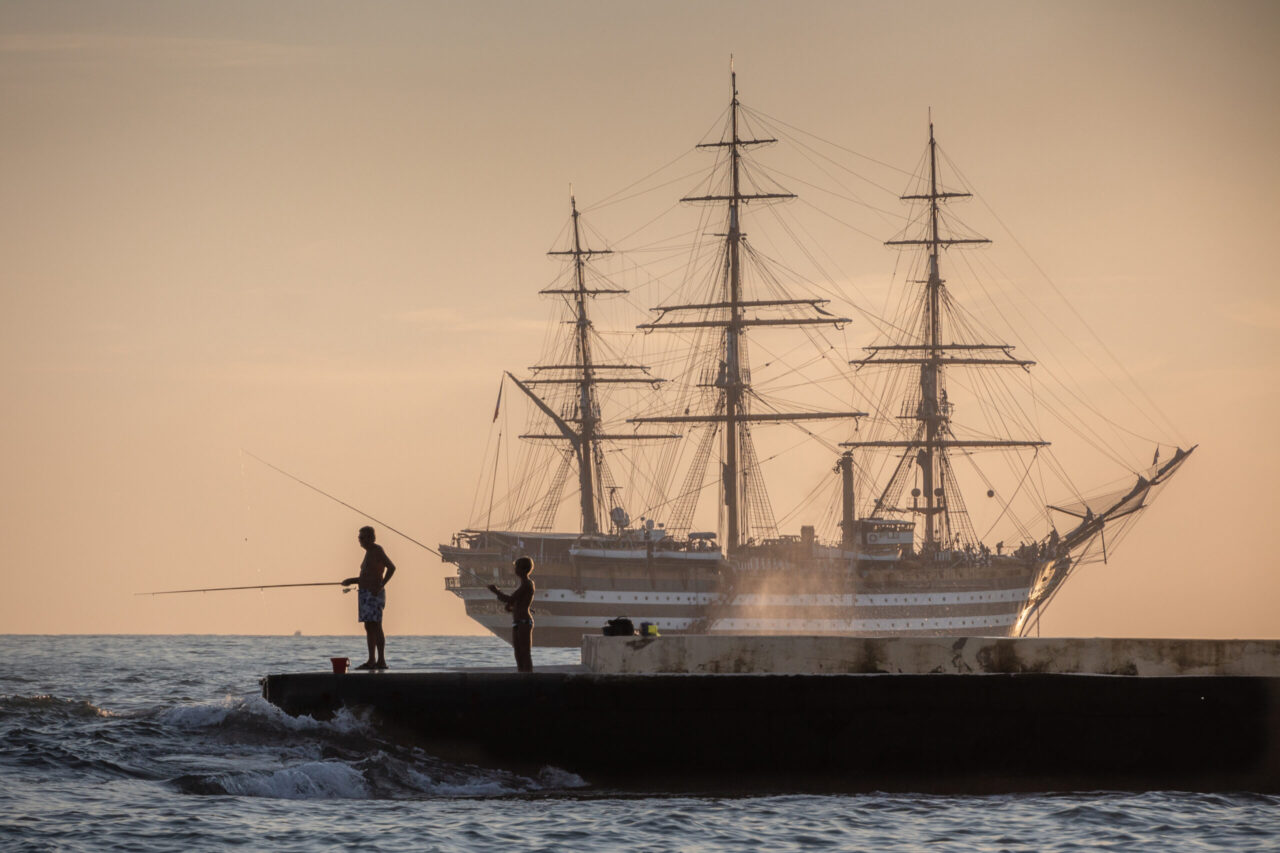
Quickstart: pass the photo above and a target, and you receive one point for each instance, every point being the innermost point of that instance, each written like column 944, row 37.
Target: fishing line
column 361, row 512
column 356, row 510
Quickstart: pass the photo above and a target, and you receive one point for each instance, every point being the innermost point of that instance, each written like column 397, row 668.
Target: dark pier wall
column 938, row 733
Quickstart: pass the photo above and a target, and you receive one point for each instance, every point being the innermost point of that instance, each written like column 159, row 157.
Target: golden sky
column 316, row 230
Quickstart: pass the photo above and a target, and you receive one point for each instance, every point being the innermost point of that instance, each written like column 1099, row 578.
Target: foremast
column 731, row 317
column 581, row 424
column 933, row 436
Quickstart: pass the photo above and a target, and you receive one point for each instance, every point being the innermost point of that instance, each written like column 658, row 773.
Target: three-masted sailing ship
column 911, row 562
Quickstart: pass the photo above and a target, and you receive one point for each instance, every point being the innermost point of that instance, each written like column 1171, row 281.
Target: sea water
column 164, row 743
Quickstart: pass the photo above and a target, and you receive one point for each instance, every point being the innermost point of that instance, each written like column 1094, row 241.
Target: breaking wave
column 252, row 712
column 379, row 776
column 347, row 757
column 312, row 780
column 246, row 747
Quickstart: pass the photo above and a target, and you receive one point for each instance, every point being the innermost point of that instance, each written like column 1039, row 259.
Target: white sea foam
column 554, row 777
column 315, row 780
column 201, row 715
column 473, row 787
column 493, row 783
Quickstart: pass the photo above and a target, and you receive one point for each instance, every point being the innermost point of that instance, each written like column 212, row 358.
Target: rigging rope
column 1168, row 423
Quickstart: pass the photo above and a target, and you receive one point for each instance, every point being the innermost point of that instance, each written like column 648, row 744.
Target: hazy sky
column 315, row 230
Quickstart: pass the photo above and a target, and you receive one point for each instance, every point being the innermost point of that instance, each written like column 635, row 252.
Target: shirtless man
column 373, row 597
column 521, row 616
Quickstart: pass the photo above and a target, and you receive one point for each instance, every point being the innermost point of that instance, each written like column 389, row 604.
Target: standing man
column 373, row 596
column 519, row 603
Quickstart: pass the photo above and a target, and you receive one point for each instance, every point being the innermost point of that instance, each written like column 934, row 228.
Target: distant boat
column 903, row 559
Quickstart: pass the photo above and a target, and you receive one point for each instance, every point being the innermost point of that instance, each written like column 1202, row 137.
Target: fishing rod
column 229, row 588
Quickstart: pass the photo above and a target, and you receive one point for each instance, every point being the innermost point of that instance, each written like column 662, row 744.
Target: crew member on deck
column 518, row 603
column 373, row 596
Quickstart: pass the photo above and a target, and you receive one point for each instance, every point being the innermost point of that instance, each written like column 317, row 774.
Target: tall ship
column 932, row 513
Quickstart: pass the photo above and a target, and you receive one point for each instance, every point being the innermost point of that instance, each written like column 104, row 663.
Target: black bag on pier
column 620, row 627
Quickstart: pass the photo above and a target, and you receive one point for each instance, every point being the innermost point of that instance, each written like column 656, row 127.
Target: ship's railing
column 462, row 583
column 660, row 545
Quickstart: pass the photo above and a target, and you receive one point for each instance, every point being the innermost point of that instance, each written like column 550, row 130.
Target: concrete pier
column 993, row 719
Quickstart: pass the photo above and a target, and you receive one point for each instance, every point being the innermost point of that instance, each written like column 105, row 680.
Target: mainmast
column 584, row 373
column 586, row 381
column 733, row 376
column 933, row 413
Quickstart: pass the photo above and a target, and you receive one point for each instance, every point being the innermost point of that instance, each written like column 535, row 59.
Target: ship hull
column 819, row 592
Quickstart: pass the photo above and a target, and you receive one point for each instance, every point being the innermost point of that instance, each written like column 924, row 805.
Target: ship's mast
column 586, row 396
column 733, row 385
column 933, row 413
column 733, row 320
column 586, row 374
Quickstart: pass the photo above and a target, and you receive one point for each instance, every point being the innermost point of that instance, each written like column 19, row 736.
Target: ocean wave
column 243, row 746
column 44, row 703
column 344, row 757
column 252, row 711
column 382, row 774
column 313, row 780
column 413, row 773
column 556, row 779
column 30, row 750
column 477, row 786
column 421, row 774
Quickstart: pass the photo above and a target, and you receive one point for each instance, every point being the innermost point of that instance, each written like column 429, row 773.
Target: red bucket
column 340, row 664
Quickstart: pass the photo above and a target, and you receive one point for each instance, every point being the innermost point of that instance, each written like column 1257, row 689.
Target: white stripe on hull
column 594, row 622
column 846, row 626
column 569, row 596
column 881, row 599
column 938, row 599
